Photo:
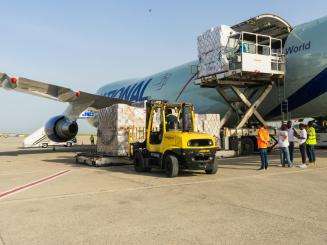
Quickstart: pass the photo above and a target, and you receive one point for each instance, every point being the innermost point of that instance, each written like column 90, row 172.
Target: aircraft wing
column 78, row 100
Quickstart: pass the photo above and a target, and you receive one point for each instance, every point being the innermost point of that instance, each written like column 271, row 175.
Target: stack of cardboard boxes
column 208, row 123
column 212, row 50
column 115, row 123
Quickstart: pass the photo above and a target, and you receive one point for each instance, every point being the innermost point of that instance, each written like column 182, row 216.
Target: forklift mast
column 185, row 113
column 188, row 120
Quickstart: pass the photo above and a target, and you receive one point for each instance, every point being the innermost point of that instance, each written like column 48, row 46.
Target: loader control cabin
column 235, row 58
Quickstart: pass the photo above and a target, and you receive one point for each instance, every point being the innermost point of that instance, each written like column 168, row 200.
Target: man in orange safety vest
column 263, row 144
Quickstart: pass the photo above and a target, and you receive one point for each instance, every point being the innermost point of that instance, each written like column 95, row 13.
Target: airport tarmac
column 45, row 198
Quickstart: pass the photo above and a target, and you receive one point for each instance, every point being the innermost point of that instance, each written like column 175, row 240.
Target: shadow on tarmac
column 123, row 168
column 27, row 151
column 240, row 163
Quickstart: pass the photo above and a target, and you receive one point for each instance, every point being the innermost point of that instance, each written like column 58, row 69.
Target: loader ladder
column 284, row 112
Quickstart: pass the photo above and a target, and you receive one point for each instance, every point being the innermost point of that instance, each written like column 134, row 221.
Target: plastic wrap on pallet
column 115, row 122
column 212, row 50
column 208, row 123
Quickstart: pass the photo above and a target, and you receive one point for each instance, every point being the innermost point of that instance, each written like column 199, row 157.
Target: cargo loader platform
column 243, row 62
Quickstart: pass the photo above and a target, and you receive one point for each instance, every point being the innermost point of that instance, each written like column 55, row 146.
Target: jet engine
column 61, row 129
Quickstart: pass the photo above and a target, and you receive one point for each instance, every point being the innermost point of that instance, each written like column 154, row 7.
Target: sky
column 86, row 44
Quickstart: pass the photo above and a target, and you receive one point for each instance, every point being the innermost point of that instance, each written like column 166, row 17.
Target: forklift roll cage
column 183, row 110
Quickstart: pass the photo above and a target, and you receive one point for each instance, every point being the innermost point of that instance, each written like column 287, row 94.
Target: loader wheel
column 212, row 168
column 171, row 165
column 139, row 162
column 247, row 145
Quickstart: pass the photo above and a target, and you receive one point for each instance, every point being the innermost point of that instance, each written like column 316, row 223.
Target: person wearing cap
column 291, row 138
column 263, row 143
column 311, row 142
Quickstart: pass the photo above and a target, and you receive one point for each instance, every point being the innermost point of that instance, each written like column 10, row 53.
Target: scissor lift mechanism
column 236, row 105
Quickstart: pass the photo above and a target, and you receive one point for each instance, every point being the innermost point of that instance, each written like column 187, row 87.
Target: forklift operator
column 171, row 119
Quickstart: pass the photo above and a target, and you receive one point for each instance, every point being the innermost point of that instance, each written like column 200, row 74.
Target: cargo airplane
column 306, row 81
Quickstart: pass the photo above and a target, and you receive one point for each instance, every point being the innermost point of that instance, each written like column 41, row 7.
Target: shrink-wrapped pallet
column 212, row 50
column 115, row 123
column 208, row 123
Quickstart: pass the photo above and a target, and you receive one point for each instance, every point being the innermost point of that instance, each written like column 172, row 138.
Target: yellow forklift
column 171, row 143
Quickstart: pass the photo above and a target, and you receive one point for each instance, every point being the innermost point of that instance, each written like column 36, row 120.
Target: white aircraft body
column 306, row 85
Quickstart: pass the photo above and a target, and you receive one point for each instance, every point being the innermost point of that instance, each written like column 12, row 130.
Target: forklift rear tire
column 212, row 168
column 139, row 162
column 171, row 165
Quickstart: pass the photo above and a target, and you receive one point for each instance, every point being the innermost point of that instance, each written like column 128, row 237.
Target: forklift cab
column 164, row 118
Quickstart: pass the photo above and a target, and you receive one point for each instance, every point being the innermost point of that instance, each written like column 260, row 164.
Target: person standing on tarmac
column 303, row 138
column 291, row 139
column 263, row 143
column 311, row 142
column 92, row 139
column 283, row 146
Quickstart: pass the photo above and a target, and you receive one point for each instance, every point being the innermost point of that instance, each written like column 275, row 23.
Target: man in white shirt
column 283, row 144
column 303, row 137
column 291, row 139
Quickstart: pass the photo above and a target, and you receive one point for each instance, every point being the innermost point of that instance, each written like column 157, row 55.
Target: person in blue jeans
column 283, row 144
column 263, row 143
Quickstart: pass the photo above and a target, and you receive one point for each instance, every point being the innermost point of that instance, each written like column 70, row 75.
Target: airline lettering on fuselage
column 298, row 48
column 133, row 92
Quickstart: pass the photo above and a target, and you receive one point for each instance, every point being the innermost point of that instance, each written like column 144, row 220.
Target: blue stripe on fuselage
column 311, row 90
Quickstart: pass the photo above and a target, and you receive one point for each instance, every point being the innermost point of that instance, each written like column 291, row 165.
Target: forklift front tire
column 212, row 168
column 171, row 165
column 139, row 162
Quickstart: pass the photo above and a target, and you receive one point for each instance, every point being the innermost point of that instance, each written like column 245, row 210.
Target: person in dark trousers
column 291, row 138
column 263, row 143
column 311, row 142
column 302, row 143
column 92, row 139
